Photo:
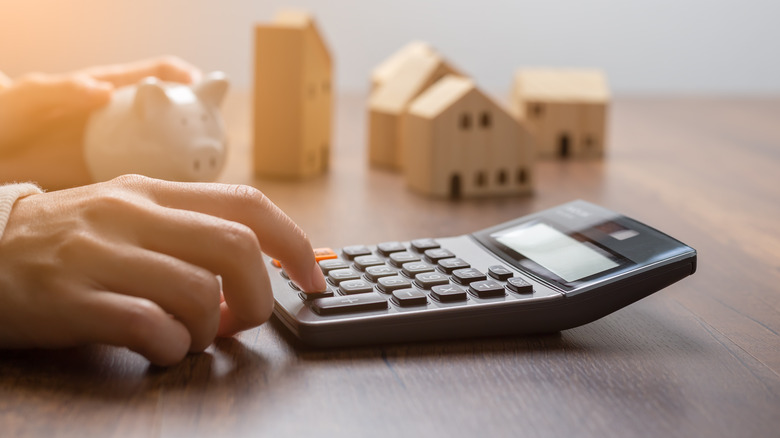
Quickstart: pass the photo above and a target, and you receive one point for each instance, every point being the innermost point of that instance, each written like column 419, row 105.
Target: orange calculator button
column 324, row 254
column 319, row 254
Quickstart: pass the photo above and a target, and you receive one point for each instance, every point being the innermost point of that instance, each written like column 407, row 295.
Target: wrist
column 9, row 194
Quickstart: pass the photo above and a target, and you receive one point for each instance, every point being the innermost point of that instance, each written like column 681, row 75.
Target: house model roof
column 293, row 18
column 581, row 85
column 304, row 21
column 414, row 73
column 441, row 96
column 390, row 66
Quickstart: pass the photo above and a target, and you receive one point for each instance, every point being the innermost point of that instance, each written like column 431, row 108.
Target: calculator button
column 374, row 273
column 448, row 293
column 422, row 245
column 487, row 289
column 390, row 284
column 336, row 276
column 409, row 297
column 434, row 255
column 427, row 280
column 363, row 262
column 449, row 265
column 350, row 252
column 414, row 268
column 518, row 285
column 284, row 274
column 324, row 254
column 314, row 296
column 351, row 287
column 293, row 286
column 349, row 304
column 499, row 272
column 329, row 265
column 398, row 259
column 319, row 254
column 388, row 248
column 468, row 275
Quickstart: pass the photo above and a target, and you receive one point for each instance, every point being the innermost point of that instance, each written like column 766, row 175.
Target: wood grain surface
column 700, row 358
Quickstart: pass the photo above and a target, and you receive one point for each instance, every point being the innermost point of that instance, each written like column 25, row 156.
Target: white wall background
column 645, row 46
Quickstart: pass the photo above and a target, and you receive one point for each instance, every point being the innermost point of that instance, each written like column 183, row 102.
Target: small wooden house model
column 389, row 67
column 459, row 143
column 293, row 98
column 414, row 71
column 565, row 109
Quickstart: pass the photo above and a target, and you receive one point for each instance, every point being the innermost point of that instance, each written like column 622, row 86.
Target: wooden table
column 700, row 358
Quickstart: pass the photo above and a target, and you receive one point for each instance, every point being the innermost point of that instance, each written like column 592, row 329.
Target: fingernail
column 317, row 279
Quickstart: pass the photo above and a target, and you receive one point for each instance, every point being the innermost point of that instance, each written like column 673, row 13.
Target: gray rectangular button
column 349, row 304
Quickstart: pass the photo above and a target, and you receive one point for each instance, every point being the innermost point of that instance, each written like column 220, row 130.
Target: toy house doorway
column 455, row 186
column 564, row 147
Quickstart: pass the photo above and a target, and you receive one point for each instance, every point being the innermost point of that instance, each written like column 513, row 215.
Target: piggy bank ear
column 150, row 97
column 212, row 89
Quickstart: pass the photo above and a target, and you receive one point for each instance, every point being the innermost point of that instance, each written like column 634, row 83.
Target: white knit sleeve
column 8, row 196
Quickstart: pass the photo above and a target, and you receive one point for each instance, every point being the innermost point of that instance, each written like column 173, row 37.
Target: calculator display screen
column 564, row 256
column 578, row 245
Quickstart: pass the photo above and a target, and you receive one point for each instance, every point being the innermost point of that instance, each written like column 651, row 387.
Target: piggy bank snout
column 206, row 160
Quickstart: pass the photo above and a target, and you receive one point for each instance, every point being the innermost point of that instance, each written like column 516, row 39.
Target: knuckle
column 106, row 205
column 246, row 194
column 239, row 237
column 73, row 244
column 132, row 181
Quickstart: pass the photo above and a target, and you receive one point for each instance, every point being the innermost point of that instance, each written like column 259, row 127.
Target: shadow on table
column 113, row 373
column 271, row 354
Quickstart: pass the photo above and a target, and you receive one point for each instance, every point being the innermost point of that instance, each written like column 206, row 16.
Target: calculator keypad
column 409, row 277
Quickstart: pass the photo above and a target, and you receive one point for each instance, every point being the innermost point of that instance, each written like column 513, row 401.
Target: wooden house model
column 459, row 143
column 293, row 96
column 390, row 66
column 411, row 73
column 565, row 109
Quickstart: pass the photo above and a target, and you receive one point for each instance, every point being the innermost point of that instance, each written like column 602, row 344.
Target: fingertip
column 169, row 348
column 229, row 325
column 100, row 93
column 310, row 280
column 195, row 76
column 317, row 280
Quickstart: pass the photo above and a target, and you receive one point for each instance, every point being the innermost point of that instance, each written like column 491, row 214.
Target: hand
column 43, row 117
column 133, row 262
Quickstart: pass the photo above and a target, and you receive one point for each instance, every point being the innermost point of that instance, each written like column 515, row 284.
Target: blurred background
column 723, row 47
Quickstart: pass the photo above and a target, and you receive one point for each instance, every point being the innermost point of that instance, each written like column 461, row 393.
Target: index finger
column 278, row 235
column 166, row 68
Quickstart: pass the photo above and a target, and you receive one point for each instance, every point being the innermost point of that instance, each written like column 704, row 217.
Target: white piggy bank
column 159, row 129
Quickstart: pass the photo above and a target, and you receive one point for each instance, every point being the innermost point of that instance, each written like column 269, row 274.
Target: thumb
column 39, row 94
column 34, row 101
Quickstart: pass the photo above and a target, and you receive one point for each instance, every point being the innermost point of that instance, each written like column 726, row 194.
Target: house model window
column 465, row 121
column 484, row 119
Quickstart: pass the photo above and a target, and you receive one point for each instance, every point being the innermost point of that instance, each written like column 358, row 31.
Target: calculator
column 542, row 273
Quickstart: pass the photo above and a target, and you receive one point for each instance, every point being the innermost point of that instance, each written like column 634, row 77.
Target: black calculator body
column 545, row 272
